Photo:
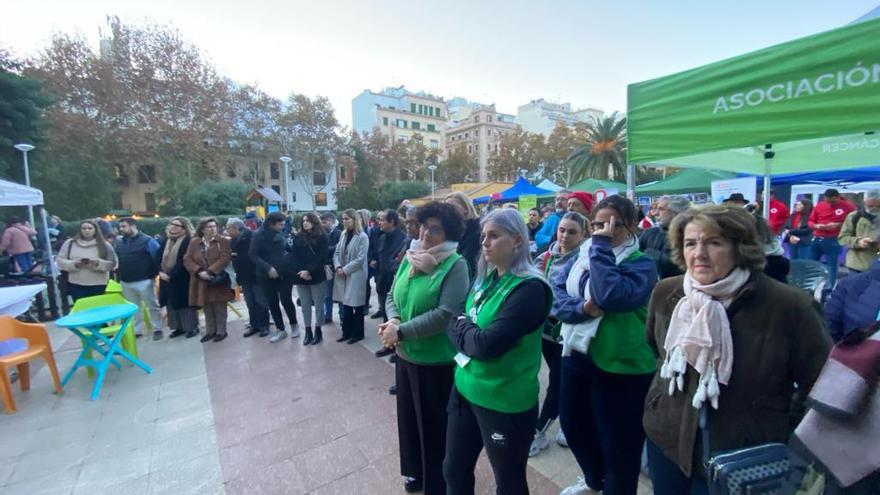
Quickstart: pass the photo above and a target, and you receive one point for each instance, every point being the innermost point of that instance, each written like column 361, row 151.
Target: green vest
column 508, row 383
column 418, row 294
column 620, row 345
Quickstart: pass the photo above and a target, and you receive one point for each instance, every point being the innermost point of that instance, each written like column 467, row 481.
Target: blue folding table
column 87, row 326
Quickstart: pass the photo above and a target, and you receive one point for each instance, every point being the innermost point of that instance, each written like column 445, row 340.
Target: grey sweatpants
column 215, row 318
column 312, row 296
column 143, row 293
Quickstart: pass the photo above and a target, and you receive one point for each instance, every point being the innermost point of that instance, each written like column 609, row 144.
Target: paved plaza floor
column 242, row 416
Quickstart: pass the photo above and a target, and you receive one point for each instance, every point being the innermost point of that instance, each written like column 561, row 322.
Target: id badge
column 462, row 360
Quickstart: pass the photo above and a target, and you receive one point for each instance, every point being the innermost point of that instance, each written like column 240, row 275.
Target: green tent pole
column 768, row 158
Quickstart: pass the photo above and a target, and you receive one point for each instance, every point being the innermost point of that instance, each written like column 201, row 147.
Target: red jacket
column 778, row 215
column 825, row 213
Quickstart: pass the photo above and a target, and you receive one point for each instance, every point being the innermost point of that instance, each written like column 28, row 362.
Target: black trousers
column 277, row 290
column 353, row 322
column 383, row 287
column 552, row 352
column 506, row 437
column 258, row 308
column 601, row 416
column 422, row 397
column 76, row 291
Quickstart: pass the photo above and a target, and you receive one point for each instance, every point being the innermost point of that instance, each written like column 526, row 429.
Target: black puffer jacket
column 654, row 243
column 268, row 250
column 245, row 269
column 308, row 254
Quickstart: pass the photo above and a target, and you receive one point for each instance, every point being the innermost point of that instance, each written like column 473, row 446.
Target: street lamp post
column 286, row 159
column 432, row 168
column 24, row 148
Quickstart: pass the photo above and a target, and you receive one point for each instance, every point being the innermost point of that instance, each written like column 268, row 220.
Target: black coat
column 175, row 292
column 268, row 249
column 307, row 254
column 469, row 246
column 389, row 245
column 654, row 243
column 332, row 241
column 245, row 269
column 375, row 234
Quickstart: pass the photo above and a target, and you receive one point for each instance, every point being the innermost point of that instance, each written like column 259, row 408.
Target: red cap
column 584, row 197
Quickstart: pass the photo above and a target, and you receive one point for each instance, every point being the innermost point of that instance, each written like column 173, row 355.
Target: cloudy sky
column 503, row 52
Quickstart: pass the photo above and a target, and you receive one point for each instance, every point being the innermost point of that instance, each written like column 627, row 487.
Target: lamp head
column 285, row 158
column 23, row 147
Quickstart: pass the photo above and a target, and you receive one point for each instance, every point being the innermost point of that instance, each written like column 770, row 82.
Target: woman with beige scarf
column 88, row 260
column 430, row 287
column 174, row 279
column 728, row 339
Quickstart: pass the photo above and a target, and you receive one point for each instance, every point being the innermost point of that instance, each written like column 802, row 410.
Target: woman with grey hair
column 494, row 404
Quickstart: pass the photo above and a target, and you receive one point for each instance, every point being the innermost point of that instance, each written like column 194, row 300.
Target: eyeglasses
column 432, row 229
column 179, row 226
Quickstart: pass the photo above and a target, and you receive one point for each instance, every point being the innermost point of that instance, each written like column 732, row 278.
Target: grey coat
column 351, row 290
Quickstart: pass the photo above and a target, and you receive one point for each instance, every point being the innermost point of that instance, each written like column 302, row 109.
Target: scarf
column 699, row 335
column 577, row 336
column 425, row 260
column 169, row 256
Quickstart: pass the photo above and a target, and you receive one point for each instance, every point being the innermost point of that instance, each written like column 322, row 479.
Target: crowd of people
column 671, row 336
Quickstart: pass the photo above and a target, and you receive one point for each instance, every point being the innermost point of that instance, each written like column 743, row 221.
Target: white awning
column 14, row 194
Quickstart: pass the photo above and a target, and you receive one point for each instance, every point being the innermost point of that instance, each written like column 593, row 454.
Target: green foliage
column 22, row 102
column 603, row 156
column 363, row 193
column 392, row 194
column 457, row 167
column 216, row 198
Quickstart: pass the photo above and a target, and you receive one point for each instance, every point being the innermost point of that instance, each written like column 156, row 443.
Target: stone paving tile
column 281, row 477
column 57, row 483
column 329, row 462
column 193, row 477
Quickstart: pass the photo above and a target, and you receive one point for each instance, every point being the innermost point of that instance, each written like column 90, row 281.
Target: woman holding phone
column 88, row 260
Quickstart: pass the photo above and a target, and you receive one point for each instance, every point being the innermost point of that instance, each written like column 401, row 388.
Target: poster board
column 526, row 203
column 722, row 189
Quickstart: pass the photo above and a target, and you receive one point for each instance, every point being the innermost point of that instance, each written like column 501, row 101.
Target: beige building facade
column 479, row 134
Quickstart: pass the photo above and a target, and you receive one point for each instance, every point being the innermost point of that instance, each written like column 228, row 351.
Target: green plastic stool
column 129, row 342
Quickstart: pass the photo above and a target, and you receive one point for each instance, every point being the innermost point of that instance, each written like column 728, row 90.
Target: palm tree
column 603, row 156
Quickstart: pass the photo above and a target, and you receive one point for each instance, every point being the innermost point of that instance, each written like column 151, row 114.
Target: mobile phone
column 85, row 260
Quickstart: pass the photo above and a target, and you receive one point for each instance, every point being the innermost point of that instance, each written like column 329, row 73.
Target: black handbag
column 221, row 279
column 757, row 470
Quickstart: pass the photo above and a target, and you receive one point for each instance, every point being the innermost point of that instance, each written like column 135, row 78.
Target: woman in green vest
column 429, row 289
column 494, row 404
column 601, row 298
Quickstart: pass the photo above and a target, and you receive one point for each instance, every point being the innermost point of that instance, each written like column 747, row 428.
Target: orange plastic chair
column 38, row 346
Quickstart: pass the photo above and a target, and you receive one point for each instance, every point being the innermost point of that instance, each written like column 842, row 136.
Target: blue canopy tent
column 862, row 174
column 521, row 187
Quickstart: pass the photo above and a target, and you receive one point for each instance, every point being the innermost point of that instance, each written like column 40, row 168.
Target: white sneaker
column 278, row 337
column 579, row 488
column 560, row 439
column 540, row 443
column 294, row 331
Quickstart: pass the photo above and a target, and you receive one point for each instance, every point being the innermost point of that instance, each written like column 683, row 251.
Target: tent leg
column 50, row 264
column 768, row 159
column 631, row 182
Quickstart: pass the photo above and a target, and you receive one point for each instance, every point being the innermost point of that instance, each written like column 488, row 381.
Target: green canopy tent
column 805, row 105
column 687, row 181
column 591, row 185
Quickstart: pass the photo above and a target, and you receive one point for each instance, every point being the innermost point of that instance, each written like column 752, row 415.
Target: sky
column 503, row 52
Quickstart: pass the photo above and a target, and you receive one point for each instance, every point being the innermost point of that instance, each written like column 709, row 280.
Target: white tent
column 13, row 194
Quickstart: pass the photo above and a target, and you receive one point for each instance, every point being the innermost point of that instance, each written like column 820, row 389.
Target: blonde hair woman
column 469, row 246
column 350, row 263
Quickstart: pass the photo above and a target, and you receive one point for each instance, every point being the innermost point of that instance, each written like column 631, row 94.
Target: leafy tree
column 393, row 193
column 216, row 198
column 363, row 193
column 561, row 143
column 308, row 132
column 518, row 150
column 457, row 168
column 603, row 155
column 22, row 105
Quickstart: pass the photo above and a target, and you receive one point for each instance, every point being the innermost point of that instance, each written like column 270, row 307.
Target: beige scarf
column 425, row 260
column 699, row 336
column 169, row 256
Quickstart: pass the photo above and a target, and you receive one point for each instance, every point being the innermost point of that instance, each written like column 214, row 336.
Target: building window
column 488, row 147
column 150, row 200
column 416, row 126
column 342, row 172
column 470, row 149
column 321, row 199
column 384, row 120
column 412, row 107
column 434, row 144
column 292, row 196
column 437, row 110
column 476, row 119
column 466, row 135
column 320, row 179
column 401, row 123
column 274, row 172
column 147, row 174
column 477, row 133
column 432, row 128
column 489, row 118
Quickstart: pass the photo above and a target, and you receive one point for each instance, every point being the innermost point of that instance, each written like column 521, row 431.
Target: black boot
column 318, row 336
column 308, row 338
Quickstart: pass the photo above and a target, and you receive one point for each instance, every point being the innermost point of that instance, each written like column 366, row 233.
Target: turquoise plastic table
column 91, row 320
